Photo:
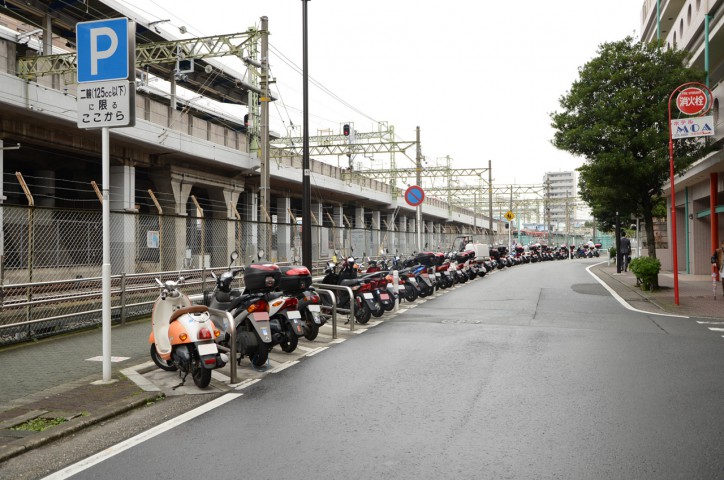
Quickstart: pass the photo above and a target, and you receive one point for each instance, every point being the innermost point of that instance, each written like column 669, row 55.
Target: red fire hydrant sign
column 691, row 101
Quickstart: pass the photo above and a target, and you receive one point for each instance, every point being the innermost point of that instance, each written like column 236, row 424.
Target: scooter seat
column 350, row 282
column 185, row 310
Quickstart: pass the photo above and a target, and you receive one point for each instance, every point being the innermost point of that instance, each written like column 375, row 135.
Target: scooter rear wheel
column 290, row 342
column 410, row 292
column 201, row 376
column 377, row 312
column 260, row 357
column 160, row 362
column 312, row 328
column 362, row 313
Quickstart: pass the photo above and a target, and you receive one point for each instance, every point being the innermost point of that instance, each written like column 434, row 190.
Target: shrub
column 612, row 252
column 646, row 270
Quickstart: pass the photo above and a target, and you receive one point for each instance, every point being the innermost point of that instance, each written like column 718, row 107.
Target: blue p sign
column 103, row 50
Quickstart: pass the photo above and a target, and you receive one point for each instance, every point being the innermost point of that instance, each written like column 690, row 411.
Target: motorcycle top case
column 256, row 274
column 426, row 258
column 462, row 257
column 295, row 279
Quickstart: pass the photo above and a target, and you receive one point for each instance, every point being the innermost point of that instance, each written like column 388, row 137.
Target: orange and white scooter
column 183, row 336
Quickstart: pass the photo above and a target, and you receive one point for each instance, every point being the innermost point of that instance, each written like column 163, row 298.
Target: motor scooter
column 297, row 282
column 183, row 335
column 248, row 307
column 363, row 298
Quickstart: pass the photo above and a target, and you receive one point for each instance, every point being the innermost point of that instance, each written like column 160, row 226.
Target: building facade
column 696, row 26
column 561, row 193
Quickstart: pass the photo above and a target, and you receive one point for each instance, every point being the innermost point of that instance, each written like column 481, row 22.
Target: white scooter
column 183, row 335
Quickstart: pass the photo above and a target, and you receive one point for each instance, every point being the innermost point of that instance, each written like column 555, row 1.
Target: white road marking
column 133, row 375
column 621, row 300
column 247, row 383
column 283, row 366
column 709, row 323
column 316, row 351
column 216, row 375
column 714, row 329
column 140, row 438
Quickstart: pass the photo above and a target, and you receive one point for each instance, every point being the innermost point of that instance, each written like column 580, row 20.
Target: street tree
column 615, row 117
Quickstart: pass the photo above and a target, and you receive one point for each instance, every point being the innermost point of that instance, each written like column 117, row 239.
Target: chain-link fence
column 51, row 259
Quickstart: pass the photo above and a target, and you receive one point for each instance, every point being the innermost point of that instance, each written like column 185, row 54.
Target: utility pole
column 418, row 180
column 264, row 181
column 490, row 200
column 306, row 186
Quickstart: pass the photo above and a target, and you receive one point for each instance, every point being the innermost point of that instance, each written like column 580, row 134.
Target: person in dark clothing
column 625, row 251
column 718, row 259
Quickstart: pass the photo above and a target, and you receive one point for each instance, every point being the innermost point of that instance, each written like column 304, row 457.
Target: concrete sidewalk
column 698, row 295
column 53, row 378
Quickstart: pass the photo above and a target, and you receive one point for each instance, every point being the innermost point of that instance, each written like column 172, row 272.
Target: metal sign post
column 106, row 98
column 693, row 99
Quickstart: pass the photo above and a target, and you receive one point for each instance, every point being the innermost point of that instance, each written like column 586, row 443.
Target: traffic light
column 345, row 129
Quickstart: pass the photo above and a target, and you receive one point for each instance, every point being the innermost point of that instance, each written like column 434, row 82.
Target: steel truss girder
column 342, row 149
column 146, row 54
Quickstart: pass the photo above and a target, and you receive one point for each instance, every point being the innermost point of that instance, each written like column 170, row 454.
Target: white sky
column 480, row 77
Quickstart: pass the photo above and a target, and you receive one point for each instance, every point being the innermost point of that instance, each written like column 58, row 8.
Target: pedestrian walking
column 718, row 259
column 625, row 251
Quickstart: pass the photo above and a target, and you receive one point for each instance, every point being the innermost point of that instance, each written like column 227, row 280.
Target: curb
column 116, row 408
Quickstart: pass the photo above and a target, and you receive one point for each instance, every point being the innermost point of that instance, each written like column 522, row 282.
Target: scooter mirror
column 234, row 256
column 260, row 254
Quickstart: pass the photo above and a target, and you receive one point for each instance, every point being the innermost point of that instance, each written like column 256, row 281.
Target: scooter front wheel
column 201, row 376
column 160, row 362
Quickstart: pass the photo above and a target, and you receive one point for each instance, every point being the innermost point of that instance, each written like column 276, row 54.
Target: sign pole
column 106, row 270
column 106, row 98
column 690, row 104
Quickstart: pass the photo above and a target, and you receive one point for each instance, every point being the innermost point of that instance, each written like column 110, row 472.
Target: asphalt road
column 534, row 372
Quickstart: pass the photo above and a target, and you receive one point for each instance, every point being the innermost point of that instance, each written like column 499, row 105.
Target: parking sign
column 105, row 50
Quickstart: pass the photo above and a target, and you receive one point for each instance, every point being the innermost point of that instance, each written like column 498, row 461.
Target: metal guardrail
column 350, row 311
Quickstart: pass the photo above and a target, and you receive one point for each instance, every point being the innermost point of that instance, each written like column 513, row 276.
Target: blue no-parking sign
column 105, row 50
column 414, row 196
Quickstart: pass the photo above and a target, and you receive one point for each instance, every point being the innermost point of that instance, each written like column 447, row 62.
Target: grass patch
column 39, row 424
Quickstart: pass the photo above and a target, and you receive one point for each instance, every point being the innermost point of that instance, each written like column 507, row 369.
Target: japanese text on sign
column 106, row 104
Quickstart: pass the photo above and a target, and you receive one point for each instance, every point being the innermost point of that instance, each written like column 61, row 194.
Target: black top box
column 426, row 258
column 295, row 278
column 256, row 274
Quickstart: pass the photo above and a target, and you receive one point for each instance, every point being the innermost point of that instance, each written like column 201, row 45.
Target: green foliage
column 646, row 270
column 615, row 116
column 39, row 424
column 612, row 252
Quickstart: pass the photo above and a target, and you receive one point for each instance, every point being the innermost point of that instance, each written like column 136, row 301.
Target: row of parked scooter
column 278, row 304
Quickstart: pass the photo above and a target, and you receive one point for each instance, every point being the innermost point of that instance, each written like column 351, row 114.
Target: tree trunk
column 650, row 238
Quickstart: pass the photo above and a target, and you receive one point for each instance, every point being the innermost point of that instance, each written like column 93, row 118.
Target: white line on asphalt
column 246, row 383
column 709, row 323
column 283, row 366
column 316, row 351
column 216, row 375
column 621, row 300
column 133, row 375
column 140, row 438
column 339, row 340
column 715, row 329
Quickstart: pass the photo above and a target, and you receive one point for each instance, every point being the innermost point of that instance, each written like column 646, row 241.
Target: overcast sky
column 480, row 77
